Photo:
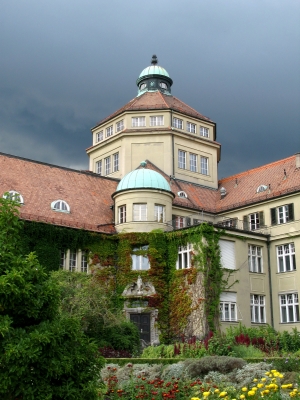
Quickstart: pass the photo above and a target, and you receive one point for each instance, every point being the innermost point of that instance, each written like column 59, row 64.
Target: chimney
column 297, row 160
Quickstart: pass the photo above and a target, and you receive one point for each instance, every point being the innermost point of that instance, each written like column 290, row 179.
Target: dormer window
column 14, row 196
column 261, row 188
column 60, row 205
column 182, row 194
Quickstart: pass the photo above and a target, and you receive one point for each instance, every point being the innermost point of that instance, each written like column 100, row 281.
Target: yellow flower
column 242, row 396
column 195, row 398
column 260, row 385
column 263, row 379
column 244, row 389
column 206, row 394
column 251, row 393
column 254, row 380
column 273, row 371
column 254, row 388
column 222, row 394
column 217, row 390
column 281, row 375
column 293, row 394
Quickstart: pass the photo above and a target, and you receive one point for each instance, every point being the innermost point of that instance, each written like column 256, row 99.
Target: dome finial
column 154, row 60
column 143, row 164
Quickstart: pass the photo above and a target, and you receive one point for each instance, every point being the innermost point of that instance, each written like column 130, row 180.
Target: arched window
column 261, row 188
column 14, row 196
column 182, row 194
column 60, row 205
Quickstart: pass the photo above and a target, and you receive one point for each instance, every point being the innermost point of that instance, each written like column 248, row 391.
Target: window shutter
column 261, row 219
column 174, row 221
column 273, row 216
column 188, row 221
column 227, row 254
column 291, row 211
column 228, row 296
column 245, row 223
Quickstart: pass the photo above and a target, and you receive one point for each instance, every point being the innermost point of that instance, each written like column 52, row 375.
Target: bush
column 221, row 364
column 124, row 336
column 247, row 351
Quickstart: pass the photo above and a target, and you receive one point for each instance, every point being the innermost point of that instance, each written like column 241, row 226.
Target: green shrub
column 221, row 364
column 161, row 351
column 247, row 351
column 124, row 336
column 220, row 345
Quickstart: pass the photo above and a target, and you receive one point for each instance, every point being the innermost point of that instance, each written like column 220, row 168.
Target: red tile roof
column 156, row 101
column 88, row 194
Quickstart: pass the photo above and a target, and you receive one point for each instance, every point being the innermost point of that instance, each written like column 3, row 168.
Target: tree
column 43, row 353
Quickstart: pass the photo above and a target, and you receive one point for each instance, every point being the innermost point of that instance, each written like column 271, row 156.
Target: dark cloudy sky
column 66, row 64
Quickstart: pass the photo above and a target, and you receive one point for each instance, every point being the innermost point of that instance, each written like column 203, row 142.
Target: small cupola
column 154, row 78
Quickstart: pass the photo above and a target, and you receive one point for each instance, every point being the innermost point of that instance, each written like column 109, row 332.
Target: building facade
column 153, row 167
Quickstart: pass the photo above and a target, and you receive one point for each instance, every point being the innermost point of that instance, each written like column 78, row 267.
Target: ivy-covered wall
column 179, row 293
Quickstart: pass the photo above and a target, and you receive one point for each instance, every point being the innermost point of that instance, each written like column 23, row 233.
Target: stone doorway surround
column 135, row 303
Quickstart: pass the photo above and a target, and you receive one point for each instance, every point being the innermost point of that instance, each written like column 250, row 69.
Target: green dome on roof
column 154, row 70
column 143, row 178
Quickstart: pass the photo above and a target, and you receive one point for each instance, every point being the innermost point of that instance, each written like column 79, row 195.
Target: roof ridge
column 163, row 99
column 191, row 108
column 248, row 171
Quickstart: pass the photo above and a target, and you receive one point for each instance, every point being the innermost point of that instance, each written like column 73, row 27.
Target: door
column 142, row 321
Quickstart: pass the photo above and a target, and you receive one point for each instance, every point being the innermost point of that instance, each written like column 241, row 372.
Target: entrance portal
column 142, row 321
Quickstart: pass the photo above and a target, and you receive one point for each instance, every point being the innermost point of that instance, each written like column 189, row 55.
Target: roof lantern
column 143, row 178
column 154, row 78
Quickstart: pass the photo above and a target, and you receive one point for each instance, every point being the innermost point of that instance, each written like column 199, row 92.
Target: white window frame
column 184, row 259
column 99, row 167
column 13, row 196
column 181, row 159
column 282, row 214
column 140, row 212
column 109, row 131
column 204, row 165
column 163, row 85
column 193, row 162
column 191, row 127
column 107, row 165
column 289, row 307
column 258, row 308
column 157, row 120
column 255, row 259
column 180, row 222
column 253, row 220
column 140, row 262
column 227, row 253
column 159, row 213
column 286, row 257
column 122, row 214
column 204, row 131
column 84, row 262
column 63, row 258
column 228, row 307
column 73, row 261
column 99, row 136
column 120, row 125
column 60, row 206
column 116, row 162
column 138, row 121
column 177, row 123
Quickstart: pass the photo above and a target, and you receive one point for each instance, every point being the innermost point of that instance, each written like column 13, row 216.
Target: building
column 153, row 166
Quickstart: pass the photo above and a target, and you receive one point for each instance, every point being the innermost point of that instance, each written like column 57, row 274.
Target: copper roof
column 156, row 101
column 88, row 195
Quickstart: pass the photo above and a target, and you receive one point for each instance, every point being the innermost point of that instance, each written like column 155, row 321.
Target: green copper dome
column 154, row 70
column 143, row 178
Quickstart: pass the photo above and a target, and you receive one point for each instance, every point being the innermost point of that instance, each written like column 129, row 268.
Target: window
column 157, row 121
column 255, row 259
column 143, row 86
column 120, row 126
column 107, row 165
column 140, row 261
column 190, row 127
column 204, row 131
column 184, row 257
column 84, row 263
column 254, row 221
column 229, row 223
column 159, row 213
column 193, row 162
column 179, row 222
column 257, row 308
column 289, row 307
column 182, row 194
column 282, row 214
column 140, row 212
column 227, row 250
column 99, row 136
column 116, row 162
column 163, row 85
column 228, row 309
column 109, row 131
column 261, row 188
column 181, row 159
column 138, row 121
column 60, row 205
column 99, row 167
column 73, row 261
column 204, row 165
column 286, row 259
column 14, row 196
column 63, row 256
column 177, row 123
column 122, row 214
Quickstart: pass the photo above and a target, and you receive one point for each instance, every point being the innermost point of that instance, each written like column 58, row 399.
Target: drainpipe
column 173, row 159
column 270, row 282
